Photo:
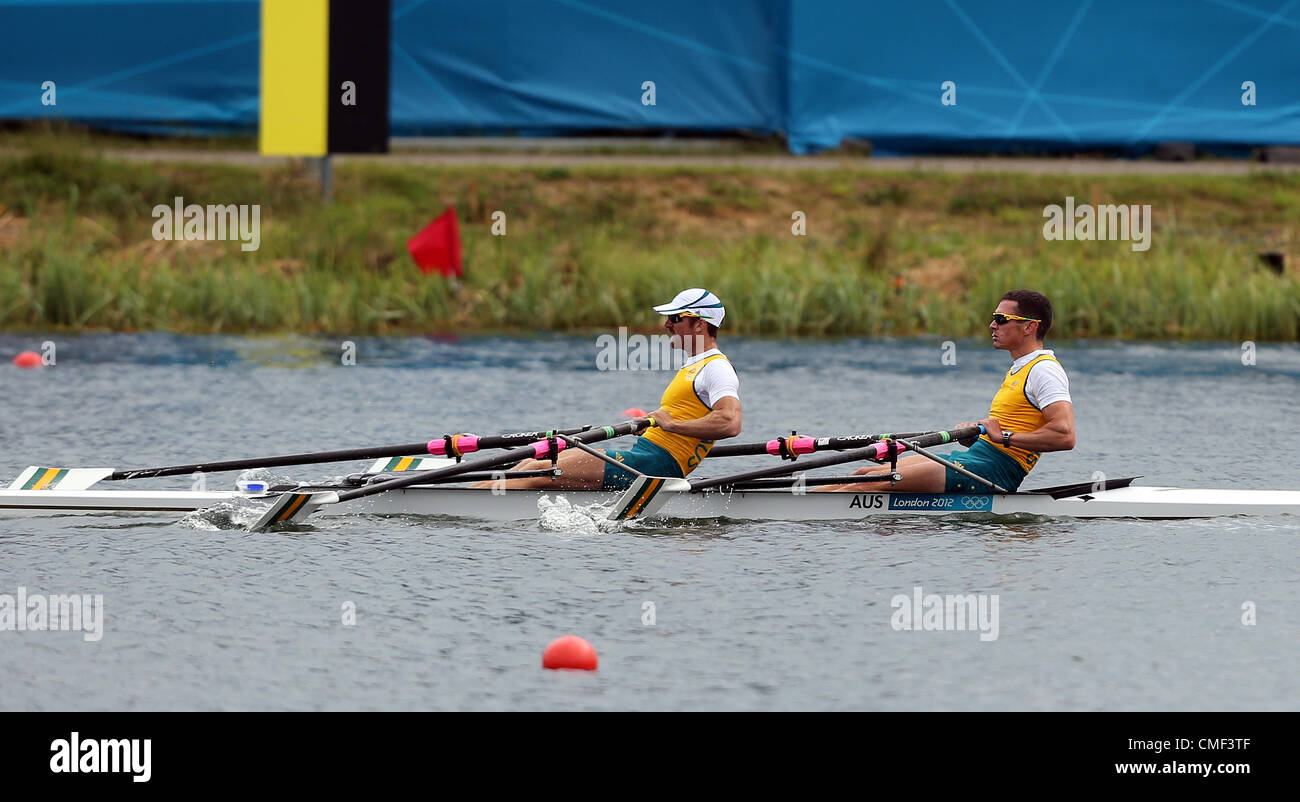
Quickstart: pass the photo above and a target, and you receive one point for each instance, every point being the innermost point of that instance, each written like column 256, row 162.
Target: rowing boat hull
column 517, row 505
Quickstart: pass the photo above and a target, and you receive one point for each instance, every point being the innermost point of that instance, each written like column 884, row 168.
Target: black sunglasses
column 675, row 319
column 1002, row 319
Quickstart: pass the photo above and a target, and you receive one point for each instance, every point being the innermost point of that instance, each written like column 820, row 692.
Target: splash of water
column 561, row 515
column 265, row 475
column 234, row 513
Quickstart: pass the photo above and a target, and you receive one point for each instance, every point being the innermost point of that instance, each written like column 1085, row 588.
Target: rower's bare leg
column 580, row 471
column 920, row 475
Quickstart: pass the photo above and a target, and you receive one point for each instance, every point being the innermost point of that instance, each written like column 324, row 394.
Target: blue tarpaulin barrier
column 1095, row 73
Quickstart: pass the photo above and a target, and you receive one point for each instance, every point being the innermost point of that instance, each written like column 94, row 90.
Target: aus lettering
column 701, row 451
column 867, row 501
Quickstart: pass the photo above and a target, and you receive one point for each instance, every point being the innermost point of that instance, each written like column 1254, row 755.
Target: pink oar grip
column 796, row 445
column 802, row 445
column 464, row 443
column 542, row 449
column 882, row 449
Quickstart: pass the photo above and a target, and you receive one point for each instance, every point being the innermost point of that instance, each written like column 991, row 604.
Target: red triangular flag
column 437, row 247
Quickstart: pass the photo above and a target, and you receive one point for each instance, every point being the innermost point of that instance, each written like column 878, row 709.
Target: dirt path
column 958, row 165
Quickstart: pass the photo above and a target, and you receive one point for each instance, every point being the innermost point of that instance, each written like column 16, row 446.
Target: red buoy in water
column 28, row 359
column 569, row 652
column 634, row 412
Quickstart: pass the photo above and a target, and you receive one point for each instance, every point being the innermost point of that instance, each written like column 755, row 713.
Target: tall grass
column 885, row 254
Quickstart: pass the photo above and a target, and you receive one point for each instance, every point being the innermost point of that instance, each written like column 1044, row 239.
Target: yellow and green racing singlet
column 1014, row 412
column 682, row 402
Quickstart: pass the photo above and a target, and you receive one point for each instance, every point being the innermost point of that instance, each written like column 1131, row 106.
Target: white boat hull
column 516, row 505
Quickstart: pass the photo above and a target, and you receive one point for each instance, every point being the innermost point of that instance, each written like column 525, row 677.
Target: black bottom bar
column 229, row 752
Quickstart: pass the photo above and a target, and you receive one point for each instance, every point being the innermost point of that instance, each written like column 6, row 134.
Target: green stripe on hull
column 40, row 473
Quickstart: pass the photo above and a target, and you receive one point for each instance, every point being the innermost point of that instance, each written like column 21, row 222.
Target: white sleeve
column 716, row 381
column 1047, row 384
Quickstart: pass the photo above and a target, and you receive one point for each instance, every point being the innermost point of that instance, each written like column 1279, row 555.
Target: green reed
column 886, row 253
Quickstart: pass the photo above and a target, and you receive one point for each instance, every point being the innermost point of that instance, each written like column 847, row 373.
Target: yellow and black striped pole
column 325, row 73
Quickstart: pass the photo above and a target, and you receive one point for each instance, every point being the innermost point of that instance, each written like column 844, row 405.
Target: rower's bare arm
column 1057, row 434
column 723, row 422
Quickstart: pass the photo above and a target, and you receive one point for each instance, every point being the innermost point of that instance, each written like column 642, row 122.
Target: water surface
column 454, row 614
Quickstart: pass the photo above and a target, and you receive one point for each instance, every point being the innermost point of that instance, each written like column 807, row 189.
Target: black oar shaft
column 803, row 445
column 811, row 481
column 359, row 480
column 838, row 458
column 275, row 462
column 593, row 435
column 806, row 464
column 451, row 445
column 345, row 455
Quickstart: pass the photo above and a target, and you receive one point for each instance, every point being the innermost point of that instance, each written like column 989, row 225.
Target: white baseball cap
column 695, row 302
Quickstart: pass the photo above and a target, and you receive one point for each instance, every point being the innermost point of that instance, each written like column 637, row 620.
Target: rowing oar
column 449, row 445
column 647, row 494
column 294, row 506
column 794, row 445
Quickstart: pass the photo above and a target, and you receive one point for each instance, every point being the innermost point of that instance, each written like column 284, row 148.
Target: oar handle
column 536, row 450
column 883, row 448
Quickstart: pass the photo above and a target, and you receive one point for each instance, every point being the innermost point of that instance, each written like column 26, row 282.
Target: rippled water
column 454, row 614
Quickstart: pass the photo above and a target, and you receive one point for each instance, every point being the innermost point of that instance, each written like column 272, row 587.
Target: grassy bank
column 898, row 254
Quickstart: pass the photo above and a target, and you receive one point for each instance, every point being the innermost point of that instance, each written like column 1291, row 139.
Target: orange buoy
column 28, row 359
column 569, row 652
column 634, row 412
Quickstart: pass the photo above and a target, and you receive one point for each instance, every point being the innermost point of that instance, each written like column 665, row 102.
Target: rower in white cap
column 700, row 406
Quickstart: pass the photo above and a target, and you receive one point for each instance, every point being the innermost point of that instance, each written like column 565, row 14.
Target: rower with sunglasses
column 700, row 405
column 1030, row 414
